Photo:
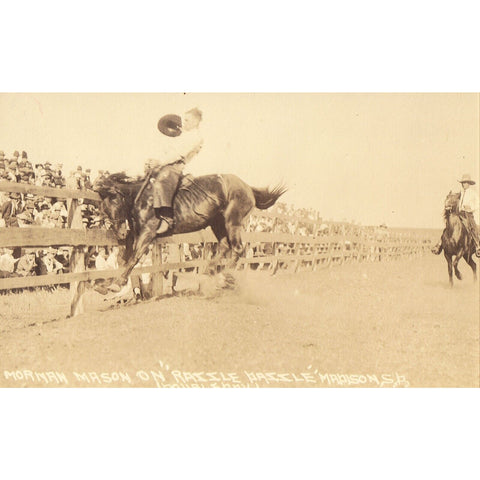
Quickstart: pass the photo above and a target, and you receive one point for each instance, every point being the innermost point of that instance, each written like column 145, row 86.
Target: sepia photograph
column 239, row 240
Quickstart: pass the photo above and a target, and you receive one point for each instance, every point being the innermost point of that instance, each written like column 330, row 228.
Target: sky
column 369, row 158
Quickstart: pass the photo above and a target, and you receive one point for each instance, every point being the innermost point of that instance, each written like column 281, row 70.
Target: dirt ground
column 371, row 324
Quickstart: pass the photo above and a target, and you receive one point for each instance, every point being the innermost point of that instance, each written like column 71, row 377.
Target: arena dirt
column 371, row 319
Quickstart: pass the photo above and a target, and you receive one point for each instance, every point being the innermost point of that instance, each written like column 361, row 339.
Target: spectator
column 11, row 173
column 23, row 160
column 58, row 178
column 99, row 177
column 58, row 214
column 79, row 178
column 101, row 259
column 112, row 260
column 43, row 217
column 38, row 172
column 26, row 265
column 63, row 257
column 7, row 264
column 71, row 181
column 47, row 263
column 47, row 176
column 25, row 219
column 9, row 210
column 87, row 184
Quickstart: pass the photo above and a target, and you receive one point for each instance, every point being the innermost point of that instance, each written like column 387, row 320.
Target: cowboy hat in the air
column 170, row 125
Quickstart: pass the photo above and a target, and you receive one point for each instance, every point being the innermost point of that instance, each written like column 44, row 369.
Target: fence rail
column 334, row 243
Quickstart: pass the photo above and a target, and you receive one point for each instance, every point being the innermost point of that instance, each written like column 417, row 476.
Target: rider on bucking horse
column 182, row 142
column 468, row 206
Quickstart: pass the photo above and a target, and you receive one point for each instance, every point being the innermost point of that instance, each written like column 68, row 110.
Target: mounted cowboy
column 183, row 143
column 468, row 206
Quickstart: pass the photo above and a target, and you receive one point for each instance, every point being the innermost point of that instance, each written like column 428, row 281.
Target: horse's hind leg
column 218, row 227
column 235, row 215
column 469, row 259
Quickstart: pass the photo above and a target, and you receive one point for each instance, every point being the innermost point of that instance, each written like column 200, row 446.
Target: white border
column 215, row 46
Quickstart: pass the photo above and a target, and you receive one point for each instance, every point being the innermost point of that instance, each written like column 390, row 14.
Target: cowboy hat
column 467, row 179
column 170, row 125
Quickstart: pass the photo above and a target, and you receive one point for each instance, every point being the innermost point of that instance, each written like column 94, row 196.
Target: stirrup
column 477, row 252
column 165, row 226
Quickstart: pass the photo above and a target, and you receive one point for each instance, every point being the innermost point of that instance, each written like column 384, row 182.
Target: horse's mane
column 123, row 179
column 120, row 182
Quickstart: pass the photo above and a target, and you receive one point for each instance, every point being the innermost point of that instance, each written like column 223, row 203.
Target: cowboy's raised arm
column 194, row 151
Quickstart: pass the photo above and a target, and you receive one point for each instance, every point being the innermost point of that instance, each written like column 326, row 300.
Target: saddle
column 152, row 174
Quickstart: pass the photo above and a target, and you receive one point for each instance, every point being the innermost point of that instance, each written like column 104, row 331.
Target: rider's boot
column 165, row 214
column 165, row 225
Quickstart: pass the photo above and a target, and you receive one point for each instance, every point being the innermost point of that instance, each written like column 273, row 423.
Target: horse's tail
column 265, row 198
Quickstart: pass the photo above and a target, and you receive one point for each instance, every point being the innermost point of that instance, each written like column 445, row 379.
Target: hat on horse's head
column 170, row 125
column 467, row 179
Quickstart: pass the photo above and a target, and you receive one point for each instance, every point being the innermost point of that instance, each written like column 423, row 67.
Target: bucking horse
column 221, row 202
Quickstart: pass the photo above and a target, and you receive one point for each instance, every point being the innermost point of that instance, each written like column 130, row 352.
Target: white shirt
column 182, row 147
column 101, row 263
column 7, row 262
column 112, row 261
column 469, row 200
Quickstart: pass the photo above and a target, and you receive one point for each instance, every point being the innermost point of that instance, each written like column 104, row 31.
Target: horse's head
column 451, row 202
column 114, row 204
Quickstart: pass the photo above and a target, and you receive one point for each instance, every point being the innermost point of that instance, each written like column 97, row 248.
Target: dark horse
column 221, row 202
column 456, row 241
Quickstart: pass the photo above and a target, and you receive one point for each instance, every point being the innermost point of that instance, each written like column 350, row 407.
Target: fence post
column 316, row 246
column 274, row 265
column 77, row 259
column 343, row 249
column 157, row 278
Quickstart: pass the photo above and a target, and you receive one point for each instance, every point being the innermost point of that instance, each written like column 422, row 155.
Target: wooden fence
column 291, row 243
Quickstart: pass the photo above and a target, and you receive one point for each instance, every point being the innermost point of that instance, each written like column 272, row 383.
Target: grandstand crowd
column 19, row 210
column 24, row 210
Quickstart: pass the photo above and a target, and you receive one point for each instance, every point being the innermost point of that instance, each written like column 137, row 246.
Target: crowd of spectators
column 23, row 210
column 34, row 262
column 21, row 170
column 30, row 210
column 288, row 219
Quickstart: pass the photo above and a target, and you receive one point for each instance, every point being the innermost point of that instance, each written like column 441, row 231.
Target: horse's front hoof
column 101, row 290
column 436, row 250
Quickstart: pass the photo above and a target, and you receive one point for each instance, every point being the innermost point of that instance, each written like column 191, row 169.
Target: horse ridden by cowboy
column 468, row 206
column 182, row 142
